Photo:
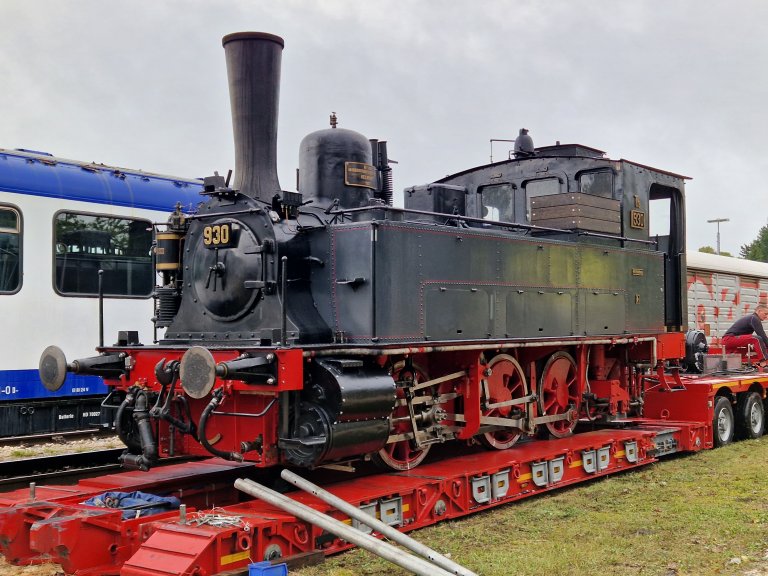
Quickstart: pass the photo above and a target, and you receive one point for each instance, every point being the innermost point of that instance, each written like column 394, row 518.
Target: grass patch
column 683, row 516
column 22, row 453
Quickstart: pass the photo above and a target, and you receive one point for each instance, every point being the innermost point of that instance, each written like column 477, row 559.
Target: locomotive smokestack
column 253, row 69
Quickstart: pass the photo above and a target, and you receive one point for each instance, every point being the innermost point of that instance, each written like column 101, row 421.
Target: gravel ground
column 42, row 570
column 61, row 447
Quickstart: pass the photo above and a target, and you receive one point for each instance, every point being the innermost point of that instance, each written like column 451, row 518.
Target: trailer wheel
column 751, row 416
column 722, row 423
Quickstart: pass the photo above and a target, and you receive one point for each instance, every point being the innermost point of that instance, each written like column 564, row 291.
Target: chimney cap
column 252, row 36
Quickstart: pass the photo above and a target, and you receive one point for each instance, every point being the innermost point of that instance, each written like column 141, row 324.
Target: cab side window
column 599, row 183
column 10, row 250
column 498, row 203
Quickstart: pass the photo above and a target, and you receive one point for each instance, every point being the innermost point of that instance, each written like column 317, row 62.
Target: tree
column 758, row 248
column 710, row 250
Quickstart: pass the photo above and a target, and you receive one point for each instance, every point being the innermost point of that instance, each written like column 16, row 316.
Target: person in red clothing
column 749, row 330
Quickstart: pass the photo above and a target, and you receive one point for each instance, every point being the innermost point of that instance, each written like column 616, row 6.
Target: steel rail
column 19, row 473
column 43, row 437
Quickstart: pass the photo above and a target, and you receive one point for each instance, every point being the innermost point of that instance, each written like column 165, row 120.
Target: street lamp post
column 717, row 221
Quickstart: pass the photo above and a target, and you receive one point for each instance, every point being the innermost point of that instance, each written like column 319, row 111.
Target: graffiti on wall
column 716, row 300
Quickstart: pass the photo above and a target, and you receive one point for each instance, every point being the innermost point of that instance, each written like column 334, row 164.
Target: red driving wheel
column 506, row 382
column 559, row 392
column 402, row 454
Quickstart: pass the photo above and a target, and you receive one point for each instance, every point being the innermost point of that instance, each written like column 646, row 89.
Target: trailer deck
column 223, row 531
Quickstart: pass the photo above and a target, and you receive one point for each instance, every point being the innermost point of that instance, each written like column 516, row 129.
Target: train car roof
column 40, row 174
column 727, row 264
column 565, row 151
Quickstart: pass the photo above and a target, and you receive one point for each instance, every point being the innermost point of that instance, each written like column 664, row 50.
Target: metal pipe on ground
column 376, row 524
column 387, row 551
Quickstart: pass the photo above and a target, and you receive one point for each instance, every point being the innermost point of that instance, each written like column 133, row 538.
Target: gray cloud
column 677, row 85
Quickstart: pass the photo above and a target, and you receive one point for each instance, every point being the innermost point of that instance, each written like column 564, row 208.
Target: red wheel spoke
column 559, row 392
column 403, row 454
column 506, row 382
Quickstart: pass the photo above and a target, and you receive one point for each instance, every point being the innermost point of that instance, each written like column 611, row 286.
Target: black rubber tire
column 750, row 416
column 723, row 428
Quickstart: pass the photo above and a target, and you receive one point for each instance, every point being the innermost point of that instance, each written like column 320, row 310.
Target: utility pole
column 717, row 221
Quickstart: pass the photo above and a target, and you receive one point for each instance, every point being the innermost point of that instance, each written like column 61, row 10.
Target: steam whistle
column 199, row 370
column 54, row 367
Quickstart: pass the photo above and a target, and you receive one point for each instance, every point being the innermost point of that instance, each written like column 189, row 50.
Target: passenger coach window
column 597, row 183
column 10, row 243
column 498, row 203
column 536, row 188
column 121, row 247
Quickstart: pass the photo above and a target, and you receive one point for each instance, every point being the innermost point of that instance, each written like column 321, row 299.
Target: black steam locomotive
column 326, row 325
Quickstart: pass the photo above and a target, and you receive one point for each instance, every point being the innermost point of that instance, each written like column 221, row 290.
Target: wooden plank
column 575, row 211
column 576, row 199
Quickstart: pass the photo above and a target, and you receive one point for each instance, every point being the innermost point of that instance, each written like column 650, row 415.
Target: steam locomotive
column 325, row 325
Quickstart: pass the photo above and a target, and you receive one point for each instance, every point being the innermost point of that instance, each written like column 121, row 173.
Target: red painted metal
column 506, row 382
column 470, row 391
column 670, row 345
column 434, row 492
column 290, row 373
column 404, row 454
column 248, row 419
column 617, row 395
column 87, row 541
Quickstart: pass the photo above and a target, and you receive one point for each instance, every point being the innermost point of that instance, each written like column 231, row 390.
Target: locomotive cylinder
column 345, row 413
column 253, row 69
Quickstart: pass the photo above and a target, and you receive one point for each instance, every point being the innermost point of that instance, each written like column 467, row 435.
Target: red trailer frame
column 54, row 525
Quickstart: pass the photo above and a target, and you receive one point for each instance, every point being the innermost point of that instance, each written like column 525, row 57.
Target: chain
column 219, row 520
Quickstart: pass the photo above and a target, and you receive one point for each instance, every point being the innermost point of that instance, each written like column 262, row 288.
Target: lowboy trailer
column 221, row 532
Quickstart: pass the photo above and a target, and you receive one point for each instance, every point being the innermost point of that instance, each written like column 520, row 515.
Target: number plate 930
column 217, row 236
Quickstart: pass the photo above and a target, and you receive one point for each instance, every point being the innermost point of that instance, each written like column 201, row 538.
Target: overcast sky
column 680, row 85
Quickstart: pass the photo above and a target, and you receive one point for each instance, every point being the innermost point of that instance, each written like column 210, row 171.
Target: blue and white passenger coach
column 61, row 221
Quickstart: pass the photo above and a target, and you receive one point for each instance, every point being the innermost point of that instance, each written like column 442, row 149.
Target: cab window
column 87, row 243
column 598, row 183
column 498, row 203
